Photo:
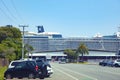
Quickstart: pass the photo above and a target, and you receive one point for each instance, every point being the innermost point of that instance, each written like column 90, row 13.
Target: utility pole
column 23, row 39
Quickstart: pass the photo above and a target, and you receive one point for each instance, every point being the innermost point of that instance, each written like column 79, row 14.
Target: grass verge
column 2, row 70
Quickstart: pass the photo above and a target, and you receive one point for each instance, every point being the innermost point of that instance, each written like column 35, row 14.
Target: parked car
column 116, row 63
column 62, row 60
column 103, row 62
column 45, row 67
column 110, row 63
column 24, row 68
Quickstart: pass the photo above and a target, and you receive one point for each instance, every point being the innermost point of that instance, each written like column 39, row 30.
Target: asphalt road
column 83, row 72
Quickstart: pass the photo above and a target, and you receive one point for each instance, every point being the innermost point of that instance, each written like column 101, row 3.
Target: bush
column 2, row 70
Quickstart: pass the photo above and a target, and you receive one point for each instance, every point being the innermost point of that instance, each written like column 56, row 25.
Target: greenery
column 2, row 70
column 9, row 32
column 28, row 48
column 73, row 56
column 11, row 43
column 82, row 49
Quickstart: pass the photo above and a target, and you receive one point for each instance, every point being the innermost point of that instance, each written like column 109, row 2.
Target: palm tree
column 82, row 49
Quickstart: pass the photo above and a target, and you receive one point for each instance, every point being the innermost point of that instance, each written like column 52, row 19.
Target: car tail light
column 36, row 68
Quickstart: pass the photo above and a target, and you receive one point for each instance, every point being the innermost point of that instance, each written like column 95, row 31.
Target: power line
column 14, row 6
column 6, row 14
column 8, row 10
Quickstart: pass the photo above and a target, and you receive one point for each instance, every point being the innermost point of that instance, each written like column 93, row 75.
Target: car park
column 24, row 68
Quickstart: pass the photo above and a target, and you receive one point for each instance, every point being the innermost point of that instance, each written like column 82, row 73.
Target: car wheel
column 31, row 76
column 8, row 76
column 116, row 65
column 47, row 75
column 19, row 77
column 42, row 77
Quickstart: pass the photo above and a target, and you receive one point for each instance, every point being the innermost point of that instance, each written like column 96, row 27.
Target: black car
column 45, row 67
column 42, row 66
column 103, row 62
column 26, row 68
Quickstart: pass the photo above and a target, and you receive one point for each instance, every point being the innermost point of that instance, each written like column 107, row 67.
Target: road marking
column 66, row 73
column 78, row 73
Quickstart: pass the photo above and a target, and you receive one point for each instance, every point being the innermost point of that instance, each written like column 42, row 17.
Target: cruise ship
column 53, row 41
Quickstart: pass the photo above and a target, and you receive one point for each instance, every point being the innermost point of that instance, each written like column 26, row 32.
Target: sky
column 71, row 18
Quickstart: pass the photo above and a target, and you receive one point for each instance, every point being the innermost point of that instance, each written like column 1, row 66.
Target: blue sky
column 68, row 17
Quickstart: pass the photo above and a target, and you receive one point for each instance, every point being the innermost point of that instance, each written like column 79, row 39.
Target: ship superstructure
column 53, row 41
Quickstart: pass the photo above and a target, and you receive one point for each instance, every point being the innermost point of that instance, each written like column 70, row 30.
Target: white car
column 116, row 63
column 49, row 70
column 62, row 60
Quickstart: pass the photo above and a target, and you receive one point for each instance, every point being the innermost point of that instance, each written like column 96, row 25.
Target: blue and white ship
column 53, row 41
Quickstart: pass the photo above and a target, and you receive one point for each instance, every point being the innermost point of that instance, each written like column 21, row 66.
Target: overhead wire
column 18, row 14
column 6, row 14
column 14, row 18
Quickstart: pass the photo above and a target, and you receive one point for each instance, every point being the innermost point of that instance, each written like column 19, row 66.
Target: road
column 83, row 72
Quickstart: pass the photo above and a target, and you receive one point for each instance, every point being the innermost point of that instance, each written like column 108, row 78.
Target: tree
column 82, row 49
column 10, row 48
column 2, row 51
column 3, row 35
column 10, row 43
column 10, row 54
column 7, row 52
column 70, row 55
column 28, row 48
column 11, row 32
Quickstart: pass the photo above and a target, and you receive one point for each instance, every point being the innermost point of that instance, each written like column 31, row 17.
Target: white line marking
column 66, row 74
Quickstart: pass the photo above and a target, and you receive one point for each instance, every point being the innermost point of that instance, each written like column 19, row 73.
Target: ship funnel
column 40, row 29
